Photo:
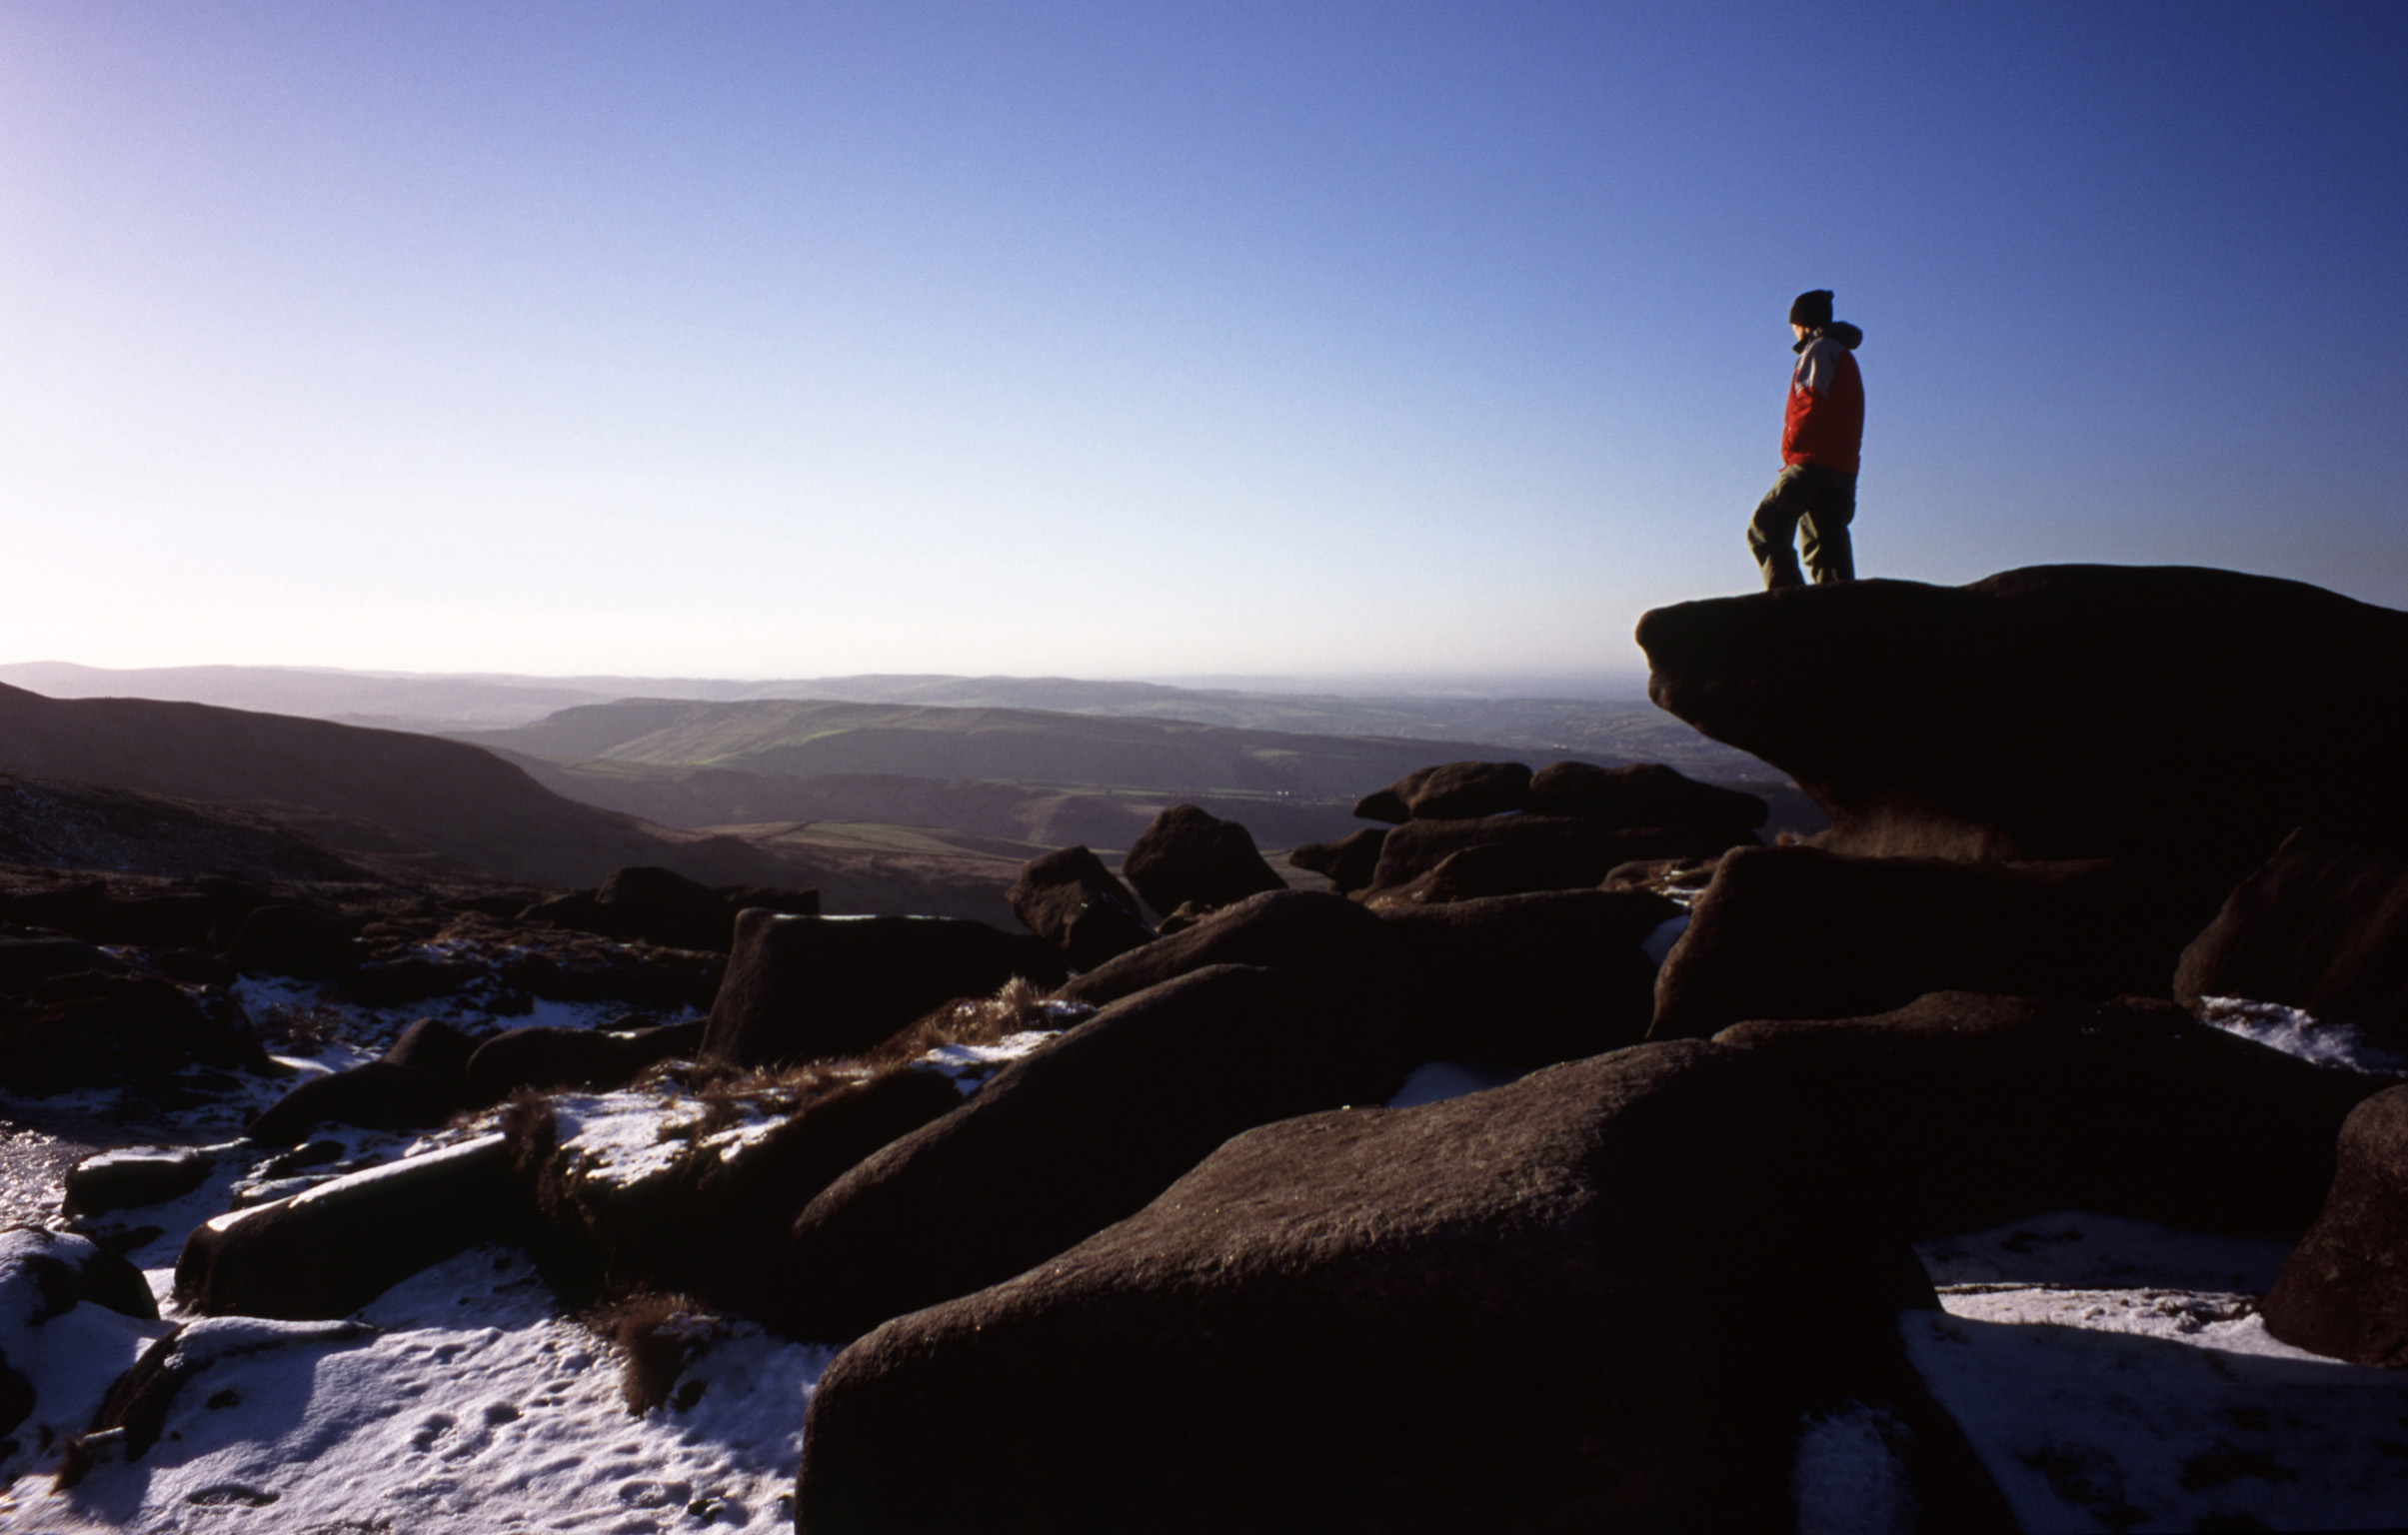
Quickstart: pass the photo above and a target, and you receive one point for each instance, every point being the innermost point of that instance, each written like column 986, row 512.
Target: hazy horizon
column 1322, row 343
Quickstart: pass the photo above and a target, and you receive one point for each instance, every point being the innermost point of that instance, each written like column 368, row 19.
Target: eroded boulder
column 2344, row 1289
column 1577, row 851
column 77, row 1030
column 301, row 942
column 1451, row 791
column 811, row 987
column 1535, row 1308
column 2323, row 928
column 1189, row 854
column 1310, row 933
column 1642, row 795
column 1797, row 932
column 1346, row 864
column 1526, row 980
column 331, row 1249
column 1079, row 1133
column 547, row 1056
column 1070, row 900
column 1961, row 1112
column 2055, row 712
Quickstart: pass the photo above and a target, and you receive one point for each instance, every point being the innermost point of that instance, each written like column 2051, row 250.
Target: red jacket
column 1825, row 420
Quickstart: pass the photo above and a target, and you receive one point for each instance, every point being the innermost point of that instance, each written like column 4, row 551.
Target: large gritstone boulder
column 2059, row 712
column 1187, row 855
column 1535, row 1308
column 52, row 1349
column 295, row 940
column 2344, row 1289
column 1347, row 863
column 809, row 987
column 2323, row 928
column 663, row 907
column 329, row 1251
column 1527, row 980
column 662, row 1192
column 1451, row 791
column 1577, row 852
column 1796, row 933
column 1961, row 1112
column 545, row 1057
column 377, row 1095
column 1311, row 933
column 1075, row 1136
column 81, row 1030
column 27, row 962
column 1070, row 900
column 1642, row 795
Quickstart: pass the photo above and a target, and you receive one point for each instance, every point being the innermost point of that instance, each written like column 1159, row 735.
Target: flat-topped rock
column 2057, row 712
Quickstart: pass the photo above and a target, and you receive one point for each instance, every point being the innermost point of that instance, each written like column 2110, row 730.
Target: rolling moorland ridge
column 2023, row 1149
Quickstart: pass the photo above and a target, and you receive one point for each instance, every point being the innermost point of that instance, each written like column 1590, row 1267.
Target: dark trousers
column 1817, row 500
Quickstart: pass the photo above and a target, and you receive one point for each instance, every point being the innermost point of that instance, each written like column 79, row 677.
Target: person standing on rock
column 1820, row 436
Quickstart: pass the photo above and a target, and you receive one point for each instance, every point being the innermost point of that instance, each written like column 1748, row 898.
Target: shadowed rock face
column 1076, row 1135
column 807, row 987
column 2322, row 927
column 1188, row 855
column 1535, row 1308
column 1797, row 932
column 2344, row 1289
column 2052, row 713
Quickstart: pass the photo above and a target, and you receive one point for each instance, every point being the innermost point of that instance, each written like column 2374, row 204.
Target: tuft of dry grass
column 657, row 1335
column 1018, row 1007
column 298, row 1030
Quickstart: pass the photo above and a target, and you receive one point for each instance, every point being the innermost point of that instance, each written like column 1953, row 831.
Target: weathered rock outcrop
column 1642, row 795
column 1525, row 981
column 1062, row 1143
column 2058, row 711
column 809, row 987
column 76, row 1030
column 331, row 1249
column 1960, row 1112
column 1535, row 1308
column 1571, row 851
column 545, row 1057
column 1189, row 854
column 2323, row 928
column 1070, row 900
column 1797, row 932
column 1310, row 933
column 1451, row 791
column 663, row 907
column 1347, row 863
column 2344, row 1289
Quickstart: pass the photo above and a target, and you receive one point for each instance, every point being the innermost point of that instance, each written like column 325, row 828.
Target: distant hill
column 383, row 791
column 1616, row 723
column 786, row 739
column 988, row 815
column 49, row 825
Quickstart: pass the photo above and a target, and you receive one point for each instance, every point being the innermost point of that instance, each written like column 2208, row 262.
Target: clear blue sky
column 1133, row 339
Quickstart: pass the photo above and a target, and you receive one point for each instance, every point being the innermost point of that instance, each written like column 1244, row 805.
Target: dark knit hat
column 1811, row 309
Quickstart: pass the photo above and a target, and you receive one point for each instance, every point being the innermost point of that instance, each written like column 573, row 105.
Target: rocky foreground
column 2028, row 1151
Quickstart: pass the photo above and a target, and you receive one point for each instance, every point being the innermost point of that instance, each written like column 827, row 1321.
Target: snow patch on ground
column 467, row 1404
column 971, row 1066
column 2298, row 1033
column 1851, row 1475
column 2113, row 1374
column 2082, row 1249
column 2085, row 1429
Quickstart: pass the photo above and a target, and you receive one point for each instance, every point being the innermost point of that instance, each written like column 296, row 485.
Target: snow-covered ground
column 2111, row 1374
